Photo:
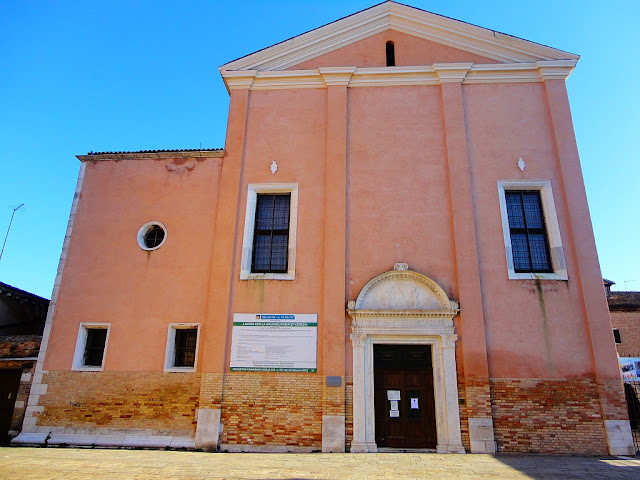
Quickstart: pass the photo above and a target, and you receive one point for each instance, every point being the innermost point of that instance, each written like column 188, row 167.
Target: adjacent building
column 22, row 319
column 624, row 309
column 393, row 250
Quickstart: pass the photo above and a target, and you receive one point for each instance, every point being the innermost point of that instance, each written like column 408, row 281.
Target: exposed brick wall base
column 349, row 413
column 548, row 416
column 162, row 402
column 464, row 418
column 614, row 404
column 279, row 409
column 285, row 410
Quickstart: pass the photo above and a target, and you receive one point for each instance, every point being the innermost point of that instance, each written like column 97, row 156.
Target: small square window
column 185, row 347
column 182, row 347
column 91, row 346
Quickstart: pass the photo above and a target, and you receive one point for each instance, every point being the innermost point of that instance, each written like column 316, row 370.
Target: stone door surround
column 404, row 307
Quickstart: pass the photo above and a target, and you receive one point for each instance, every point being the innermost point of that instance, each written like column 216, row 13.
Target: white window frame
column 170, row 355
column 81, row 343
column 249, row 225
column 551, row 222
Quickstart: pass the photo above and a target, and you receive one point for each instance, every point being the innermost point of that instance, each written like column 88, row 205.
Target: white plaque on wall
column 274, row 342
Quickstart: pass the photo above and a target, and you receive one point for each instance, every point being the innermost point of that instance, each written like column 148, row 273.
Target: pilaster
column 334, row 266
column 216, row 327
column 474, row 345
column 360, row 443
column 454, row 440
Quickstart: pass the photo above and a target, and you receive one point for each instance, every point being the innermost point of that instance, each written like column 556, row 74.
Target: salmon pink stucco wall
column 108, row 278
column 398, row 200
column 527, row 320
column 409, row 50
column 399, row 210
column 289, row 127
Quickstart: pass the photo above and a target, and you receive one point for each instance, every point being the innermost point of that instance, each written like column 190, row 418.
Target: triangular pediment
column 479, row 42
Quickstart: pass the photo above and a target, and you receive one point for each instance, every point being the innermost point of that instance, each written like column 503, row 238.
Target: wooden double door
column 403, row 396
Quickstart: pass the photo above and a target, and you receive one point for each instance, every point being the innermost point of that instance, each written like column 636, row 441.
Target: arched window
column 391, row 54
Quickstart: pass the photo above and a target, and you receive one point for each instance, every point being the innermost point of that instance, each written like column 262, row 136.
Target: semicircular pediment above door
column 402, row 290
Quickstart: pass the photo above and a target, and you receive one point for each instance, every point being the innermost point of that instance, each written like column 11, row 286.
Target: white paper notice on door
column 393, row 394
column 394, row 413
column 394, row 404
column 414, row 404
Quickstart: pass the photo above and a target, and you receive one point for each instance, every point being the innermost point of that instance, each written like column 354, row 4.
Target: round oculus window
column 152, row 235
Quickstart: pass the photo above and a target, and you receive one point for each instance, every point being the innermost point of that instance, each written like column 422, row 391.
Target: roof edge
column 152, row 155
column 19, row 291
column 456, row 33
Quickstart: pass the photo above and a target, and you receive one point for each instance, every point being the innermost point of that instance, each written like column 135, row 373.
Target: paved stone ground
column 73, row 463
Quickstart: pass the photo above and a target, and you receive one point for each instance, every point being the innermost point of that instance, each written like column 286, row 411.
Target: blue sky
column 133, row 75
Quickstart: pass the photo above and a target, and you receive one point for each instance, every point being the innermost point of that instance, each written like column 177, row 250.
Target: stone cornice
column 239, row 79
column 413, row 21
column 555, row 69
column 401, row 323
column 337, row 75
column 435, row 74
column 357, row 314
column 151, row 155
column 451, row 72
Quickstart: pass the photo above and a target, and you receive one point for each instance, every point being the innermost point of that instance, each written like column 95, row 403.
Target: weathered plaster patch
column 545, row 326
column 181, row 165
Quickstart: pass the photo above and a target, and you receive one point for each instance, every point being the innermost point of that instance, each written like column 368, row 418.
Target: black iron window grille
column 529, row 241
column 154, row 236
column 185, row 347
column 94, row 347
column 271, row 233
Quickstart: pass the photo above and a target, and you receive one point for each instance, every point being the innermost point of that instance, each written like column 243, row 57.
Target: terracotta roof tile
column 159, row 151
column 624, row 301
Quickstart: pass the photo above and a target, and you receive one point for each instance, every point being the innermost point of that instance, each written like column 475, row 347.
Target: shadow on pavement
column 557, row 468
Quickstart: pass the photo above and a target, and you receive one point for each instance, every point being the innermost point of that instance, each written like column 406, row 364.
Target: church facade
column 393, row 251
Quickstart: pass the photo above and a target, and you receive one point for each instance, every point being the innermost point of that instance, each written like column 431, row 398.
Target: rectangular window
column 529, row 244
column 185, row 347
column 182, row 347
column 271, row 233
column 532, row 240
column 91, row 346
column 616, row 335
column 270, row 230
column 94, row 348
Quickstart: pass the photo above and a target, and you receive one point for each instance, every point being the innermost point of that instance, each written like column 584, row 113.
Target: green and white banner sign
column 274, row 342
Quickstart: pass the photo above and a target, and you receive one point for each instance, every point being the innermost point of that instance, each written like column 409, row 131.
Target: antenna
column 9, row 228
column 628, row 281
